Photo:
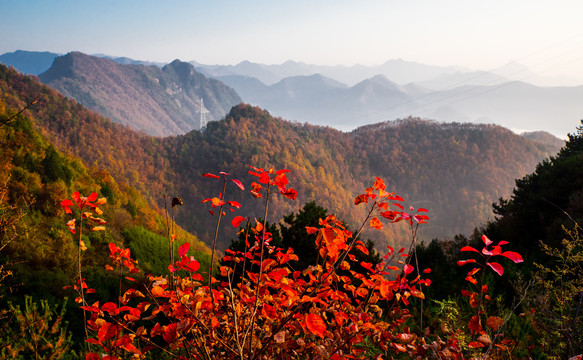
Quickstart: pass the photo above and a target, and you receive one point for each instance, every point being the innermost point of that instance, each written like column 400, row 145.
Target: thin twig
column 20, row 112
column 487, row 353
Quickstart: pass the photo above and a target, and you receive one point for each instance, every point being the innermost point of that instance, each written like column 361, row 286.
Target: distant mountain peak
column 168, row 101
column 29, row 62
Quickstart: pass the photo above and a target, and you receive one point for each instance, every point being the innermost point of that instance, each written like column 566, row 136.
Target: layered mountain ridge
column 343, row 97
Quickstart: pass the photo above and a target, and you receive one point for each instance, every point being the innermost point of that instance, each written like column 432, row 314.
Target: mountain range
column 319, row 100
column 343, row 97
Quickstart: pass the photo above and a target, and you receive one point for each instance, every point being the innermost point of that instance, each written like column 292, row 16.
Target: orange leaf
column 362, row 248
column 362, row 198
column 362, row 292
column 315, row 324
column 214, row 322
column 494, row 322
column 158, row 291
column 376, row 223
column 476, row 344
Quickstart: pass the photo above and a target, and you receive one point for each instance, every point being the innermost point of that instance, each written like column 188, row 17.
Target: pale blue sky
column 547, row 36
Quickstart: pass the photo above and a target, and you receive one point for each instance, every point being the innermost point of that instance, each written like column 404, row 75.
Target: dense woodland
column 473, row 164
column 51, row 147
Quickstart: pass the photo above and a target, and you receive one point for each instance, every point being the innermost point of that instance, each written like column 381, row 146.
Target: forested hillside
column 455, row 170
column 542, row 221
column 36, row 177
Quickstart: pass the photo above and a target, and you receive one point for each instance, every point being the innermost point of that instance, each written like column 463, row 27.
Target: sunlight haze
column 545, row 36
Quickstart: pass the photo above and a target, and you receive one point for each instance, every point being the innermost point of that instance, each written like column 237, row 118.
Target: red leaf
column 169, row 334
column 486, row 240
column 65, row 205
column 131, row 348
column 366, row 265
column 106, row 332
column 421, row 219
column 474, row 325
column 239, row 184
column 92, row 356
column 408, row 269
column 237, row 221
column 496, row 267
column 362, row 248
column 514, row 256
column 183, row 249
column 315, row 324
column 264, row 178
column 92, row 197
column 396, row 198
column 209, row 175
column 290, row 194
column 280, row 181
column 234, row 204
column 192, row 266
column 311, row 230
column 110, row 308
column 463, row 262
column 469, row 248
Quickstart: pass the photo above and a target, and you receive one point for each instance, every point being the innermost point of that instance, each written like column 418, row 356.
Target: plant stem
column 256, row 305
column 170, row 255
column 82, row 291
column 215, row 239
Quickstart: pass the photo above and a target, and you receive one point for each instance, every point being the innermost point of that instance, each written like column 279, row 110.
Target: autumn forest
column 262, row 238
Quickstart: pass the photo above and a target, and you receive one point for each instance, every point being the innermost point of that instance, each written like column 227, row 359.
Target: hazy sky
column 546, row 36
